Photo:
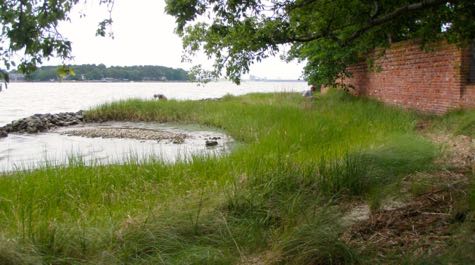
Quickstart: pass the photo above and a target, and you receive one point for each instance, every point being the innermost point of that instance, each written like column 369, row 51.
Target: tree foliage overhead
column 327, row 35
column 29, row 30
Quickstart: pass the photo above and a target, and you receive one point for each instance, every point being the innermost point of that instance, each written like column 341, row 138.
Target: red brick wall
column 468, row 98
column 468, row 90
column 406, row 76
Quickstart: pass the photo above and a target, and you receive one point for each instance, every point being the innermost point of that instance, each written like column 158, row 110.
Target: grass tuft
column 317, row 242
column 458, row 122
column 295, row 157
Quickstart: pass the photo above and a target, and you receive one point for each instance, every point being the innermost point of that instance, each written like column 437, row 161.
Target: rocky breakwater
column 42, row 122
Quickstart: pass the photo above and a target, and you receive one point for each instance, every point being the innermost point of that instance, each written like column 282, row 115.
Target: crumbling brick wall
column 468, row 97
column 468, row 72
column 430, row 81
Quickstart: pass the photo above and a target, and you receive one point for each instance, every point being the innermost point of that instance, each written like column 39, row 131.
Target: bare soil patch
column 459, row 151
column 423, row 223
column 420, row 226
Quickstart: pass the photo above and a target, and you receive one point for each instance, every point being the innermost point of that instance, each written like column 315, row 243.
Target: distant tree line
column 92, row 72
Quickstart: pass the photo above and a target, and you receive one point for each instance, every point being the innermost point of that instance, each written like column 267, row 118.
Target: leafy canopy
column 29, row 30
column 328, row 35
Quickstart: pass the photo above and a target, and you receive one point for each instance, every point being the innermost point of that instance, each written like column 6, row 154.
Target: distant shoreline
column 98, row 81
column 152, row 81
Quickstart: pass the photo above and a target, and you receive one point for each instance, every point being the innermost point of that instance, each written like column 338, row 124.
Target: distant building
column 15, row 77
column 108, row 79
column 257, row 78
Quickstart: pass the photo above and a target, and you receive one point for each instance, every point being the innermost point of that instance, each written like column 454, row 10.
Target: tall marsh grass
column 457, row 122
column 295, row 157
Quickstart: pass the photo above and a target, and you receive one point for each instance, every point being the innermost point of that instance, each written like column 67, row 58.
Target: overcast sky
column 143, row 35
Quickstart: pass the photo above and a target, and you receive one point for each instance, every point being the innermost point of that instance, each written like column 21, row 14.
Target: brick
column 435, row 81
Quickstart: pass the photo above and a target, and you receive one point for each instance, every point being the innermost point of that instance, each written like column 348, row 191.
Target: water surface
column 24, row 99
column 26, row 151
column 30, row 151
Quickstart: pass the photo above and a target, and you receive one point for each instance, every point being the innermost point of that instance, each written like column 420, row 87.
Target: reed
column 294, row 158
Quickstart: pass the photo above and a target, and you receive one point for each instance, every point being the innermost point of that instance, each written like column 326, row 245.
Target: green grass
column 317, row 242
column 459, row 122
column 296, row 157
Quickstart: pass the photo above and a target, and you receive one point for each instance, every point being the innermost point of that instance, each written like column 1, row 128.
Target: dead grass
column 421, row 226
column 265, row 258
column 435, row 202
column 459, row 151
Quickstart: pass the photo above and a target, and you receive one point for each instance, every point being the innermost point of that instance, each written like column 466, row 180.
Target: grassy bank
column 278, row 197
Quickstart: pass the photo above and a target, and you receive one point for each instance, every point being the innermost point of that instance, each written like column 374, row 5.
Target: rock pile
column 212, row 141
column 159, row 97
column 129, row 133
column 42, row 122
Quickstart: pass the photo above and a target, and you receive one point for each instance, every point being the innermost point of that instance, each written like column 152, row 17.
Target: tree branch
column 373, row 22
column 396, row 13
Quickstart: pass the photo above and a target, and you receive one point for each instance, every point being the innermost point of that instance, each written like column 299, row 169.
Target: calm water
column 28, row 151
column 22, row 151
column 24, row 99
